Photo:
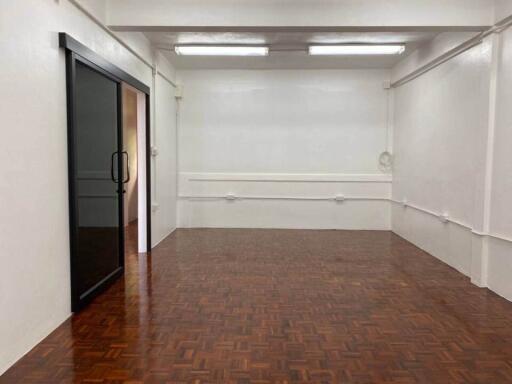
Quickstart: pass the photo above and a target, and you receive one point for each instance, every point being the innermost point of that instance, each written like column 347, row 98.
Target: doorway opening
column 134, row 144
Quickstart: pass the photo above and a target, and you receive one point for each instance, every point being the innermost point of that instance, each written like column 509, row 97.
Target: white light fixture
column 211, row 50
column 357, row 49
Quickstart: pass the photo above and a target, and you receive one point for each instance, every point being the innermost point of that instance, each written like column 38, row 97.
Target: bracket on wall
column 178, row 91
column 231, row 196
column 154, row 151
column 444, row 217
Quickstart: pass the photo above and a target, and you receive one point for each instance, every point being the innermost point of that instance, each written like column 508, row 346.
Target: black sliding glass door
column 98, row 180
column 98, row 169
column 96, row 173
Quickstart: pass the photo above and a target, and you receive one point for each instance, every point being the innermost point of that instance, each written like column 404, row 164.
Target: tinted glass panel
column 96, row 142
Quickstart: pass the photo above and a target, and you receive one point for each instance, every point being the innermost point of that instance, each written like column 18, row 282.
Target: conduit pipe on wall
column 478, row 39
column 172, row 83
column 447, row 219
column 229, row 196
column 443, row 217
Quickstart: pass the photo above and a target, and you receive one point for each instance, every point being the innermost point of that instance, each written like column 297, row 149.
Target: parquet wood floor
column 281, row 306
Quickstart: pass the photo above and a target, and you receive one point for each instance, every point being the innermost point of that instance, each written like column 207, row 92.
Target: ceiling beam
column 338, row 15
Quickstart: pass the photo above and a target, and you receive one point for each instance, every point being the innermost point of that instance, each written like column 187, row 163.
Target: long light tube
column 211, row 50
column 357, row 49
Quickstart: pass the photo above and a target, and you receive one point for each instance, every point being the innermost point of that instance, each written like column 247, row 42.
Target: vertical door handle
column 125, row 153
column 112, row 167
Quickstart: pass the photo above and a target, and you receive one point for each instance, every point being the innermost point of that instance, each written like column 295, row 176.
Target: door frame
column 75, row 51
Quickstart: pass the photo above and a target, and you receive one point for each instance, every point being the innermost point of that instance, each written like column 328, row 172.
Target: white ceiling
column 287, row 48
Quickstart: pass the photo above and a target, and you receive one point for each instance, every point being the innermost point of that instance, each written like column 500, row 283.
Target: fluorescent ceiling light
column 356, row 49
column 211, row 50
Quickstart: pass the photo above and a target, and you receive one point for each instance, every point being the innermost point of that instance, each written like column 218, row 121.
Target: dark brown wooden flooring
column 281, row 306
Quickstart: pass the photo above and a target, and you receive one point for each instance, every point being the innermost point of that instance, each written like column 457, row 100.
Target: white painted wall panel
column 282, row 121
column 447, row 241
column 501, row 203
column 164, row 164
column 503, row 9
column 266, row 201
column 295, row 214
column 278, row 124
column 443, row 120
column 439, row 120
column 500, row 252
column 499, row 277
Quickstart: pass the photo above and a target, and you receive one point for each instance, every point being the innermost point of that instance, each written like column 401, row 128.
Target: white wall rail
column 231, row 196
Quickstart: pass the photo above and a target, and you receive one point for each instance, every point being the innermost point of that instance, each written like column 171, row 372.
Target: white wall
column 451, row 141
column 34, row 244
column 164, row 165
column 439, row 118
column 503, row 9
column 277, row 124
column 499, row 276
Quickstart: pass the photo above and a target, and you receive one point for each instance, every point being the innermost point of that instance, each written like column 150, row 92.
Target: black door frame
column 77, row 52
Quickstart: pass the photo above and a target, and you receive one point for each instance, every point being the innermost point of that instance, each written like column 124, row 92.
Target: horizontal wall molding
column 312, row 198
column 289, row 177
column 448, row 219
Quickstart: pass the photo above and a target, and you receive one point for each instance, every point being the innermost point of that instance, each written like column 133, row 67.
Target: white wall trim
column 289, row 177
column 229, row 196
column 262, row 197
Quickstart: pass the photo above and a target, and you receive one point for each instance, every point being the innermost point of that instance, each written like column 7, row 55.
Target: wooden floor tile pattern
column 281, row 306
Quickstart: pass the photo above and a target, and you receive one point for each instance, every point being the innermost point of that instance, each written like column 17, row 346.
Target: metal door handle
column 127, row 167
column 112, row 167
